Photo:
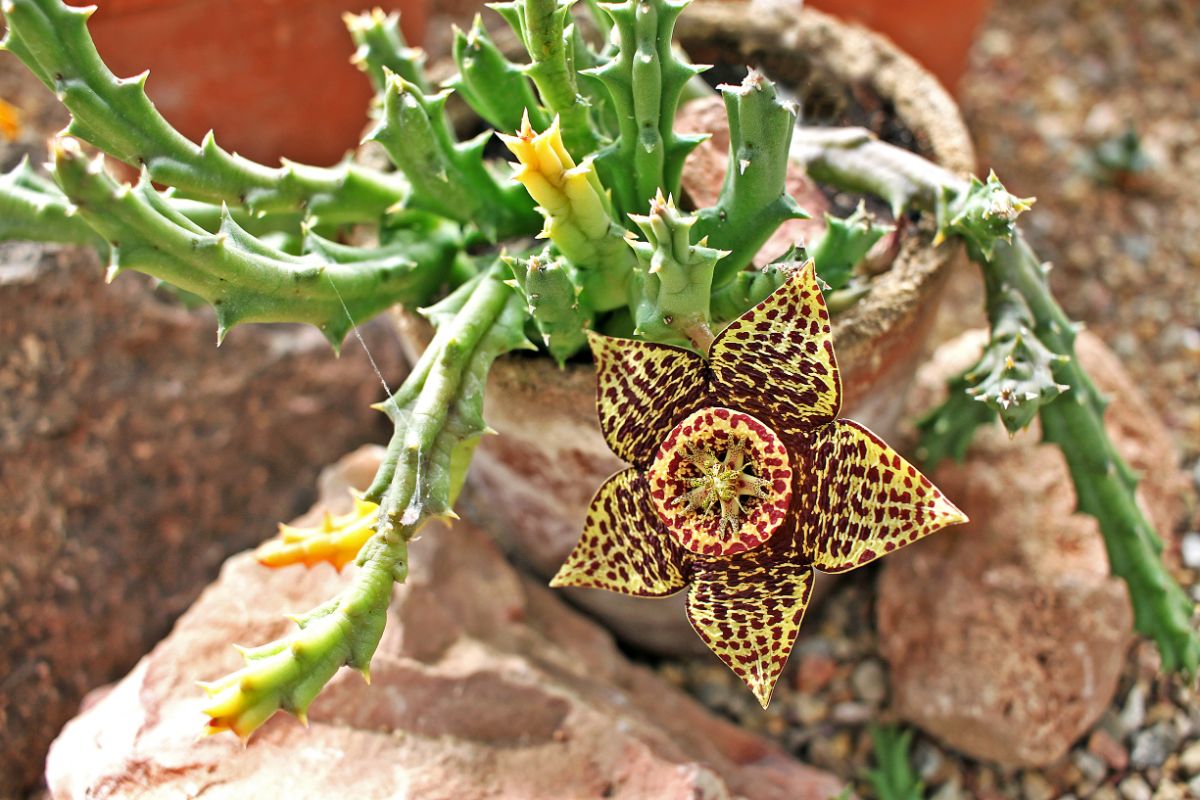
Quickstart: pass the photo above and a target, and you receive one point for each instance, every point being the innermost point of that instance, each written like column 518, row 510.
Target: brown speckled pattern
column 748, row 608
column 624, row 547
column 776, row 360
column 772, row 375
column 642, row 391
column 863, row 499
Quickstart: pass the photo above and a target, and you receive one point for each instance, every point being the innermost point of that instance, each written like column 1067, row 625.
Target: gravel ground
column 1050, row 83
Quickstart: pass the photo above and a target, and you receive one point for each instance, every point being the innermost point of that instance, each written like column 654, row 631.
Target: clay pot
column 272, row 78
column 937, row 33
column 531, row 485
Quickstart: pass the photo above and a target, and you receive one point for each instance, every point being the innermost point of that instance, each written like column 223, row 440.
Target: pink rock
column 485, row 685
column 135, row 456
column 1006, row 636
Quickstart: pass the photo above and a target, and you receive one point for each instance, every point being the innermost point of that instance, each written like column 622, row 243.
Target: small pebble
column 1194, row 786
column 1035, row 787
column 1106, row 793
column 1133, row 712
column 815, row 672
column 809, row 709
column 831, row 752
column 1152, row 745
column 948, row 791
column 869, row 682
column 1189, row 759
column 1170, row 790
column 851, row 713
column 1090, row 765
column 1190, row 547
column 1114, row 754
column 927, row 760
column 1135, row 788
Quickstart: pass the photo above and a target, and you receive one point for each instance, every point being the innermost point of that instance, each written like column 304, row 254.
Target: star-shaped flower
column 743, row 480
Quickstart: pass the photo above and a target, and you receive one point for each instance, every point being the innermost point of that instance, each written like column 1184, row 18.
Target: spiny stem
column 754, row 199
column 1104, row 483
column 449, row 178
column 496, row 89
column 438, row 417
column 644, row 79
column 243, row 278
column 544, row 27
column 382, row 49
column 438, row 411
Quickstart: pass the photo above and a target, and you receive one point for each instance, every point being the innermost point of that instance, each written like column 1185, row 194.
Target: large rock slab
column 134, row 457
column 485, row 685
column 1006, row 636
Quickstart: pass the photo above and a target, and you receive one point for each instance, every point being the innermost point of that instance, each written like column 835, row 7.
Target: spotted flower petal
column 863, row 499
column 776, row 361
column 624, row 547
column 748, row 609
column 643, row 390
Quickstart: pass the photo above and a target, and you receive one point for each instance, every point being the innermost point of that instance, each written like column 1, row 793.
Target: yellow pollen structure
column 720, row 487
column 721, row 482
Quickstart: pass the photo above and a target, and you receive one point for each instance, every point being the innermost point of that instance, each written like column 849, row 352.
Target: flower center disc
column 721, row 482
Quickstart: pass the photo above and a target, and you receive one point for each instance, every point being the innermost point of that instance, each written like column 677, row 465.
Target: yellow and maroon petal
column 721, row 482
column 623, row 547
column 643, row 390
column 748, row 609
column 861, row 499
column 776, row 360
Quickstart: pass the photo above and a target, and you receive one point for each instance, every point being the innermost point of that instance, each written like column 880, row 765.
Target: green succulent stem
column 554, row 300
column 495, row 88
column 244, row 279
column 645, row 79
column 381, row 48
column 1072, row 414
column 438, row 414
column 448, row 178
column 747, row 289
column 34, row 208
column 438, row 411
column 673, row 286
column 288, row 673
column 545, row 28
column 35, row 211
column 115, row 115
column 754, row 199
column 844, row 244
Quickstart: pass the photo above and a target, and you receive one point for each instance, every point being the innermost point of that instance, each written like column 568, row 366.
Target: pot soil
column 272, row 78
column 531, row 485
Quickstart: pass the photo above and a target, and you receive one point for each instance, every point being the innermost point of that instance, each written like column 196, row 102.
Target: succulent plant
column 624, row 262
